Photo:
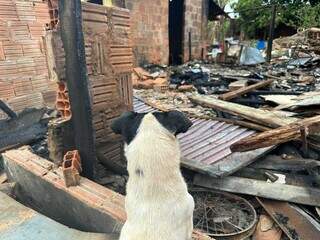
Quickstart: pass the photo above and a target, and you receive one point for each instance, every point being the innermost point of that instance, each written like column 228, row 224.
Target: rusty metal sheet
column 207, row 141
column 292, row 222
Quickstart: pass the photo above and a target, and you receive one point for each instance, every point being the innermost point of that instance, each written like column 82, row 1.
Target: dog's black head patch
column 174, row 121
column 128, row 123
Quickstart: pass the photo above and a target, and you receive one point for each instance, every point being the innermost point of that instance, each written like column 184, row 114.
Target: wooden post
column 77, row 81
column 271, row 32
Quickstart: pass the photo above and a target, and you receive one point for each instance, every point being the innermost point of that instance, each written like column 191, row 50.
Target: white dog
column 157, row 203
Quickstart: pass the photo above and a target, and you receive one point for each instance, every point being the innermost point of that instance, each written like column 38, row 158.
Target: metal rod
column 70, row 14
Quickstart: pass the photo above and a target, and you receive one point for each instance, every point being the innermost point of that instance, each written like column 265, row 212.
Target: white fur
column 157, row 203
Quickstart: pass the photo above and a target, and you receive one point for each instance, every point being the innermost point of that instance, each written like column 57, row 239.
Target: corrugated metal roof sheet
column 207, row 141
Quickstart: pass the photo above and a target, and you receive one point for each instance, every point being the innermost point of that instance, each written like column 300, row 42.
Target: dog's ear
column 179, row 121
column 127, row 125
column 174, row 121
column 119, row 125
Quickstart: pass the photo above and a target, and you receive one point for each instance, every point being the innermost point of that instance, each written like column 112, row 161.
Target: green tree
column 256, row 14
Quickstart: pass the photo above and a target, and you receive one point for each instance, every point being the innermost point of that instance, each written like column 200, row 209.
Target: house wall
column 24, row 79
column 195, row 23
column 149, row 28
column 150, row 33
column 109, row 65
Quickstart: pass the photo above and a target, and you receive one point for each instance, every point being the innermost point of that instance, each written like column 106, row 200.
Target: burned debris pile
column 278, row 161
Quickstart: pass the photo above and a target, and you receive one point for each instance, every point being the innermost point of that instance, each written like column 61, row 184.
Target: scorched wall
column 24, row 79
column 149, row 27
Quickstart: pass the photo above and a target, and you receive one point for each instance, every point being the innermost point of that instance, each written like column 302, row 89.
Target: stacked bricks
column 23, row 63
column 71, row 168
column 149, row 28
column 62, row 101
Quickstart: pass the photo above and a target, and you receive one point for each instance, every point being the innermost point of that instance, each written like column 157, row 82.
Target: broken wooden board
column 241, row 91
column 264, row 117
column 279, row 99
column 292, row 222
column 276, row 191
column 279, row 135
column 238, row 84
column 301, row 101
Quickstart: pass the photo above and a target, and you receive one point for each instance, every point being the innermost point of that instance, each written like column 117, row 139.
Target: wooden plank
column 237, row 93
column 262, row 117
column 277, row 136
column 238, row 84
column 276, row 191
column 297, row 225
column 273, row 162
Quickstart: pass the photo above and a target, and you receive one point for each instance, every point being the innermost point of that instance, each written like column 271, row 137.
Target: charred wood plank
column 78, row 83
column 277, row 136
column 273, row 162
column 241, row 91
column 276, row 191
column 262, row 117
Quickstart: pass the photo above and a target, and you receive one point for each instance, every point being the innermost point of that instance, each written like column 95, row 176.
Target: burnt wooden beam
column 78, row 84
column 241, row 91
column 278, row 135
column 282, row 192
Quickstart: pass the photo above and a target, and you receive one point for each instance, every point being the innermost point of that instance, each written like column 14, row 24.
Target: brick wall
column 195, row 22
column 109, row 64
column 149, row 30
column 24, row 80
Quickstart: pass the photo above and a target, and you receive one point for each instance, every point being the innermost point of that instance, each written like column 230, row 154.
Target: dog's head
column 129, row 122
